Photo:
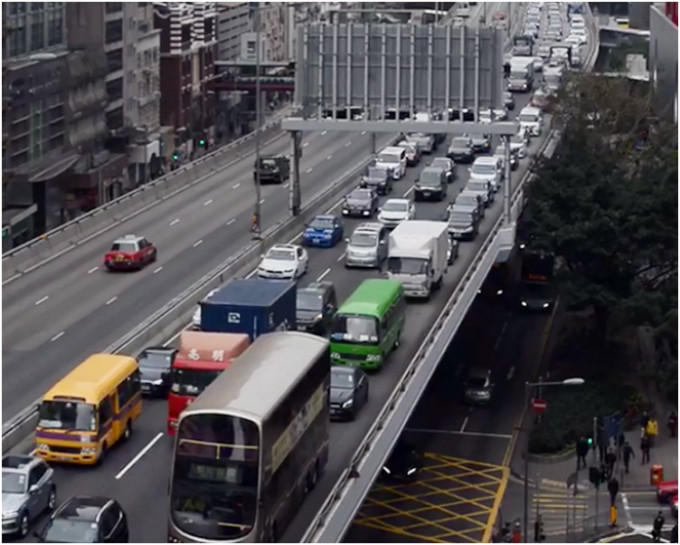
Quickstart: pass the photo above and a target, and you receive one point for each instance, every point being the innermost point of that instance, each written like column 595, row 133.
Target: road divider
column 177, row 313
column 44, row 249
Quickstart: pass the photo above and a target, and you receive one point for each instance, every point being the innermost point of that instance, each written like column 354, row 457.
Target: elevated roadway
column 137, row 473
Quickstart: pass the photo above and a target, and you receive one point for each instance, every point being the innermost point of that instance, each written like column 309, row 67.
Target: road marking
column 329, row 158
column 455, row 432
column 309, row 170
column 505, row 326
column 159, row 269
column 92, row 270
column 323, row 133
column 342, row 256
column 236, row 186
column 206, row 203
column 112, row 300
column 462, row 428
column 323, row 274
column 511, row 373
column 231, row 221
column 285, row 185
column 42, row 300
column 305, row 144
column 139, row 456
column 174, row 222
column 363, row 133
column 261, row 201
column 408, row 191
column 348, row 144
column 57, row 336
column 198, row 243
column 498, row 342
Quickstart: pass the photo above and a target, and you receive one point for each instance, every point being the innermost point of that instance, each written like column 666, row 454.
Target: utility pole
column 256, row 227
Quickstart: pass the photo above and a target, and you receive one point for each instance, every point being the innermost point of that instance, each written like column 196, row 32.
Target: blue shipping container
column 250, row 305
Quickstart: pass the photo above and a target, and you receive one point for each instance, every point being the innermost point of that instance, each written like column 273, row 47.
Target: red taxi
column 130, row 252
column 666, row 491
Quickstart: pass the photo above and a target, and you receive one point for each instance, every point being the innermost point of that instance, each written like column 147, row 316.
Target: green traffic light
column 590, row 441
column 201, row 142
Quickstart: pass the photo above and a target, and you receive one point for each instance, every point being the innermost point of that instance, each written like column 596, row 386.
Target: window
column 37, row 34
column 54, row 29
column 17, row 40
column 114, row 31
column 105, row 411
column 108, row 522
column 37, row 473
column 115, row 89
column 113, row 7
column 114, row 60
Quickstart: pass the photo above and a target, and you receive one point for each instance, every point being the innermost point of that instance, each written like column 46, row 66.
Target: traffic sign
column 539, row 405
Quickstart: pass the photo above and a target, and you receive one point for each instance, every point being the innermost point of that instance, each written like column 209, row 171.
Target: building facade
column 188, row 51
column 233, row 20
column 31, row 27
column 663, row 56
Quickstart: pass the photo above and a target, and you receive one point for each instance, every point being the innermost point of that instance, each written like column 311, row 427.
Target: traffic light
column 589, row 438
column 539, row 536
column 201, row 142
column 175, row 156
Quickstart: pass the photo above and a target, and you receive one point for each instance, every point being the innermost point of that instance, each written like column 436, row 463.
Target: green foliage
column 607, row 207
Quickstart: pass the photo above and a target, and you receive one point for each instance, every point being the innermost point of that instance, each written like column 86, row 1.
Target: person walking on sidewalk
column 613, row 487
column 610, row 460
column 652, row 430
column 644, row 448
column 581, row 453
column 673, row 424
column 657, row 527
column 644, row 419
column 627, row 455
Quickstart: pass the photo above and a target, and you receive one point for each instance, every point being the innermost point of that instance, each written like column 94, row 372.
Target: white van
column 395, row 158
column 531, row 119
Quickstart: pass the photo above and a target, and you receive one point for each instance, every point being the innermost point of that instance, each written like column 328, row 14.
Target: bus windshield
column 215, row 476
column 191, row 382
column 67, row 415
column 355, row 329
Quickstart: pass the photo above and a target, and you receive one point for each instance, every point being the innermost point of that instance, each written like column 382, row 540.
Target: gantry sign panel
column 414, row 68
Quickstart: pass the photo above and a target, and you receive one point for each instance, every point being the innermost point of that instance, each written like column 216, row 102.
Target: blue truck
column 250, row 305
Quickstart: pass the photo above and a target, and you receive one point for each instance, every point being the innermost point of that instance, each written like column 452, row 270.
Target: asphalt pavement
column 56, row 316
column 137, row 473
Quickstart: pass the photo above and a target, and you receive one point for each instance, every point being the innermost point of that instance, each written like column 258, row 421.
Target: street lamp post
column 256, row 227
column 527, row 391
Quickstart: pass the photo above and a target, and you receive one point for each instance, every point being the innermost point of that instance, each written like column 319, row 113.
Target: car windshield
column 476, row 382
column 360, row 195
column 477, row 186
column 191, row 382
column 483, row 168
column 407, row 146
column 13, row 483
column 441, row 162
column 517, row 139
column 460, row 217
column 536, row 290
column 407, row 265
column 378, row 173
column 394, row 206
column 364, row 239
column 67, row 415
column 129, row 247
column 155, row 359
column 280, row 254
column 528, row 118
column 309, row 300
column 321, row 223
column 268, row 163
column 341, row 379
column 460, row 143
column 354, row 329
column 389, row 158
column 431, row 178
column 71, row 531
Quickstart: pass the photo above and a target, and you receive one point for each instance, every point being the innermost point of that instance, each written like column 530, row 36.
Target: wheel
column 312, row 478
column 52, row 500
column 102, row 454
column 154, row 255
column 128, row 430
column 23, row 525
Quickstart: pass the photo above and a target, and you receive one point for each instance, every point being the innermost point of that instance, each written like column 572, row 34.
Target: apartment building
column 233, row 20
column 663, row 54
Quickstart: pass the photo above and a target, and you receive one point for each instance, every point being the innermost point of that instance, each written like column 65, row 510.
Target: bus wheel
column 102, row 454
column 312, row 477
column 128, row 430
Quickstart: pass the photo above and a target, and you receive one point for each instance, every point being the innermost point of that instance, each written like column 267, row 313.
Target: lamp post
column 256, row 227
column 527, row 390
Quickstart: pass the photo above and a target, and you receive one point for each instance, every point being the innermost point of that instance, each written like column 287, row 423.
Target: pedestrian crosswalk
column 561, row 512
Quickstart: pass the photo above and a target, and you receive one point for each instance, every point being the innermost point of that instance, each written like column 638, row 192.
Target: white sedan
column 284, row 262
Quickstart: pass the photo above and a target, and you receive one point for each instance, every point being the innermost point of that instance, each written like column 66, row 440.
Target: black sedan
column 448, row 165
column 362, row 203
column 536, row 297
column 378, row 179
column 460, row 150
column 349, row 392
column 404, row 463
column 155, row 366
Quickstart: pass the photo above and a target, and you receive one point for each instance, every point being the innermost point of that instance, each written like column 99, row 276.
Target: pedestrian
column 644, row 448
column 627, row 454
column 673, row 424
column 613, row 487
column 581, row 452
column 657, row 527
column 610, row 460
column 652, row 430
column 621, row 440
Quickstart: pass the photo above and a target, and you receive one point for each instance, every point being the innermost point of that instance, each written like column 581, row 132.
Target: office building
column 663, row 55
column 233, row 20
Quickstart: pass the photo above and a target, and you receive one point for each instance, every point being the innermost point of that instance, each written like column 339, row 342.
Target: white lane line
column 174, row 222
column 206, row 203
column 57, row 336
column 231, row 221
column 465, row 422
column 363, row 133
column 511, row 373
column 159, row 269
column 505, row 326
column 139, row 455
column 236, row 186
column 329, row 158
column 305, row 144
column 408, row 192
column 92, row 270
column 197, row 243
column 42, row 300
column 323, row 274
column 285, row 185
column 309, row 170
column 498, row 342
column 112, row 300
column 454, row 432
column 348, row 144
column 323, row 133
column 341, row 257
column 262, row 201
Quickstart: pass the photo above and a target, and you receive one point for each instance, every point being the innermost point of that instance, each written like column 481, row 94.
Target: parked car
column 349, row 392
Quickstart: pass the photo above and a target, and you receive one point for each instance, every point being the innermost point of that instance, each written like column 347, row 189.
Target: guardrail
column 39, row 251
column 177, row 313
column 348, row 494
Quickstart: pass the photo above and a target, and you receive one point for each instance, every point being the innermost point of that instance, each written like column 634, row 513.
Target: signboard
column 539, row 405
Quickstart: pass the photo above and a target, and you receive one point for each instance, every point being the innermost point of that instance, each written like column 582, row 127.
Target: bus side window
column 124, row 392
column 105, row 412
column 135, row 383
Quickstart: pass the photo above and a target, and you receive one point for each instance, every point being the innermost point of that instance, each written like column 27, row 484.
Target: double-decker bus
column 253, row 444
column 368, row 325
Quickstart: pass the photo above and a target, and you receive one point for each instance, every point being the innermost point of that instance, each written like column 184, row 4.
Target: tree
column 606, row 201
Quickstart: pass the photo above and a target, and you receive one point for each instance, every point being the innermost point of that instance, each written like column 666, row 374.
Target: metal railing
column 51, row 245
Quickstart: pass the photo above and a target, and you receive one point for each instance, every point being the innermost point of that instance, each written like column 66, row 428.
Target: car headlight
column 373, row 357
column 157, row 382
column 42, row 447
column 524, row 303
column 387, row 470
column 546, row 305
column 345, row 211
column 9, row 515
column 318, row 317
column 467, row 229
column 499, row 292
column 411, row 471
column 347, row 404
column 335, row 356
column 88, row 451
